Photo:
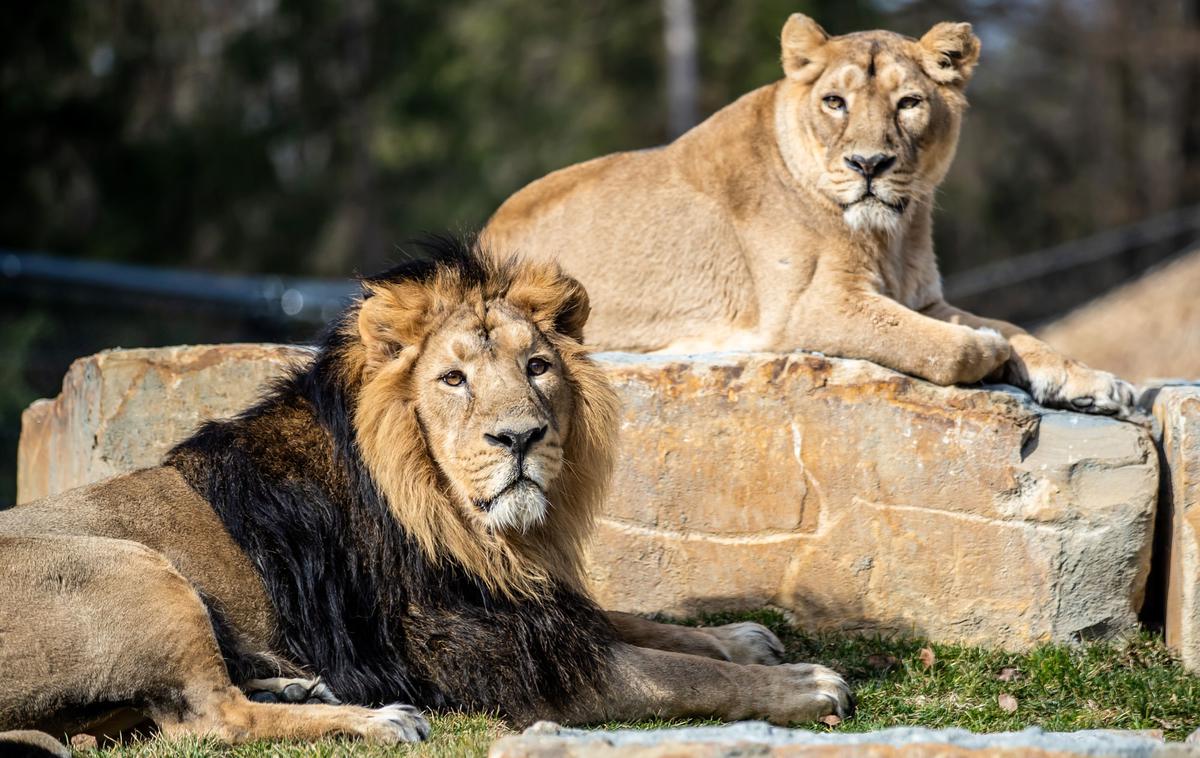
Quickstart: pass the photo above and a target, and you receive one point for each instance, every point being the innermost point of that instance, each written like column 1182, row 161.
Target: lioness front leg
column 743, row 642
column 1052, row 379
column 867, row 325
column 645, row 683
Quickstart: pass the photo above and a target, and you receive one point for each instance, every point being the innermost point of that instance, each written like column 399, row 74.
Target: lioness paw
column 815, row 692
column 1078, row 388
column 748, row 642
column 975, row 354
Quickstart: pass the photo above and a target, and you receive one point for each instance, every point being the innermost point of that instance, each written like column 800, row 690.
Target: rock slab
column 546, row 739
column 1177, row 409
column 853, row 497
column 123, row 409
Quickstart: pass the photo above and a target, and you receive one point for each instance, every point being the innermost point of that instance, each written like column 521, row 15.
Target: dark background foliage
column 312, row 137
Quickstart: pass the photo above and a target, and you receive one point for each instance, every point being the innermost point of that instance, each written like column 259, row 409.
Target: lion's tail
column 33, row 744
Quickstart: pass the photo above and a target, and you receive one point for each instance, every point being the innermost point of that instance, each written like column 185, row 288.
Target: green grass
column 1131, row 685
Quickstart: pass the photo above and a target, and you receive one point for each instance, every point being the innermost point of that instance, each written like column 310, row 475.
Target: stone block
column 123, row 409
column 754, row 738
column 1177, row 409
column 853, row 497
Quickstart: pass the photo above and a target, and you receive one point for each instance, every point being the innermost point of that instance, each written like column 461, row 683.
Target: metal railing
column 311, row 301
column 1028, row 288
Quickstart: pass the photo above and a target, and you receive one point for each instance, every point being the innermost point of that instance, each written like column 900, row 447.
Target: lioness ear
column 390, row 318
column 802, row 44
column 554, row 301
column 949, row 53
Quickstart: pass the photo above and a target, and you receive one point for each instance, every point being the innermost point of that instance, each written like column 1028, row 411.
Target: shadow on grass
column 899, row 681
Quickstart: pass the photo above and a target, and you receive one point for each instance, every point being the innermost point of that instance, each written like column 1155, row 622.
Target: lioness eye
column 454, row 378
column 537, row 366
column 908, row 102
column 833, row 102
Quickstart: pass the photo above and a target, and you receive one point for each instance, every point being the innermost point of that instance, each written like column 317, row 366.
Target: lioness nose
column 517, row 440
column 870, row 167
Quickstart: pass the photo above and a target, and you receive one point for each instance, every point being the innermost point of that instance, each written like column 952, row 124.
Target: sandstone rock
column 545, row 739
column 861, row 499
column 855, row 497
column 1178, row 412
column 123, row 409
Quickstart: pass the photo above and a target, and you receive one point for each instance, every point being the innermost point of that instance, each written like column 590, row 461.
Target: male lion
column 402, row 517
column 797, row 217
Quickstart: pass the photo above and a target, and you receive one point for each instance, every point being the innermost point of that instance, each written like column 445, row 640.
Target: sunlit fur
column 894, row 96
column 425, row 448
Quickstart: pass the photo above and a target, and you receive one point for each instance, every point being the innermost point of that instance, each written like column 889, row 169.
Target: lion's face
column 877, row 114
column 479, row 413
column 492, row 399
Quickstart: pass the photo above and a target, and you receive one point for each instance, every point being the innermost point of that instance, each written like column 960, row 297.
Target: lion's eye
column 453, row 378
column 908, row 102
column 834, row 103
column 537, row 366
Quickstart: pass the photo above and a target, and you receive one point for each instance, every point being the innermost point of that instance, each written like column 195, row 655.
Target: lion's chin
column 873, row 215
column 520, row 507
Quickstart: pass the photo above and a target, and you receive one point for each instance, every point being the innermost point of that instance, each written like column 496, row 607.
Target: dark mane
column 356, row 601
column 440, row 251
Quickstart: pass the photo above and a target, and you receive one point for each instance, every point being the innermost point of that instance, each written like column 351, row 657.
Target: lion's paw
column 747, row 642
column 814, row 692
column 393, row 724
column 287, row 690
column 1079, row 388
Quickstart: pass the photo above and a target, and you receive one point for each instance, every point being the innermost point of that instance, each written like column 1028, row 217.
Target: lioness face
column 880, row 114
column 493, row 400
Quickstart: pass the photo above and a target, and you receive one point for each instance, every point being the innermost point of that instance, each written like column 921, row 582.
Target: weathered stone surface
column 545, row 739
column 1178, row 412
column 123, row 409
column 856, row 497
column 862, row 499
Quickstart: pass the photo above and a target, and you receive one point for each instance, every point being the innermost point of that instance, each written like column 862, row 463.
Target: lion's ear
column 802, row 44
column 390, row 318
column 949, row 53
column 553, row 301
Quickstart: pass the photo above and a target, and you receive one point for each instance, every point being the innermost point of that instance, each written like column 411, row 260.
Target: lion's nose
column 870, row 167
column 517, row 440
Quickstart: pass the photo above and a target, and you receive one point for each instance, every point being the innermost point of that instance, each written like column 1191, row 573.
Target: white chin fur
column 520, row 508
column 872, row 216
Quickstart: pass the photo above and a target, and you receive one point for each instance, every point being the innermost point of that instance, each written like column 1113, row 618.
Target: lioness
column 403, row 517
column 797, row 217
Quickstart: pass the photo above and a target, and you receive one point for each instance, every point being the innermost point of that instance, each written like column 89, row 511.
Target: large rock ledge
column 855, row 497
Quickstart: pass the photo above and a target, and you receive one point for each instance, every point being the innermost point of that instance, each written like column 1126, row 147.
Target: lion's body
column 766, row 228
column 402, row 517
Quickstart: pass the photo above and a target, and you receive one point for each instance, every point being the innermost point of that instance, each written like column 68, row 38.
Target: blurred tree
column 314, row 136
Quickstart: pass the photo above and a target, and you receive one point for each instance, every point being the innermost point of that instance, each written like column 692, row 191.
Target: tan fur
column 396, row 321
column 752, row 232
column 101, row 631
column 105, row 597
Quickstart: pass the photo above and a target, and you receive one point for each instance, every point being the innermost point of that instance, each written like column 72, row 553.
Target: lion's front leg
column 645, row 683
column 743, row 642
column 1053, row 379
